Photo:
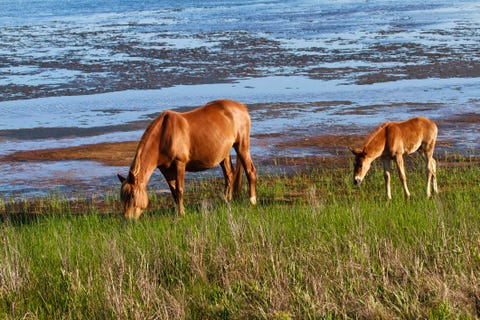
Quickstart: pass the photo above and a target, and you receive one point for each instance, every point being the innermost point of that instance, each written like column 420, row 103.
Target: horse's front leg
column 170, row 177
column 173, row 191
column 226, row 165
column 180, row 182
column 402, row 175
column 386, row 175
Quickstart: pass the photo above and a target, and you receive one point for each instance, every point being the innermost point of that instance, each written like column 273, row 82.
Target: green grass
column 315, row 247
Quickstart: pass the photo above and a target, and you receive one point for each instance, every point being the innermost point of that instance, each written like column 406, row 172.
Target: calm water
column 77, row 72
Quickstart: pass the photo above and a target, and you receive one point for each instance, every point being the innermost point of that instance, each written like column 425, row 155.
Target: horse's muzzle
column 357, row 181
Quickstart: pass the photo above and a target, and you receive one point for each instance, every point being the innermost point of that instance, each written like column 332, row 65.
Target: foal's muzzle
column 357, row 181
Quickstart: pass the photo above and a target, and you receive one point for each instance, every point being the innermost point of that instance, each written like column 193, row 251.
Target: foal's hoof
column 253, row 200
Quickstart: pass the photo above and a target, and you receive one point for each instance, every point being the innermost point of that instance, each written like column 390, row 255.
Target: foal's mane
column 374, row 134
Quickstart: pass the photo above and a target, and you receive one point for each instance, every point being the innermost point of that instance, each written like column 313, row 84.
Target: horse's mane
column 136, row 163
column 135, row 167
column 374, row 134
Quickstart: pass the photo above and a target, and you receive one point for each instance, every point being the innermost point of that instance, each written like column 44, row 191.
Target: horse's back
column 229, row 110
column 204, row 136
column 227, row 116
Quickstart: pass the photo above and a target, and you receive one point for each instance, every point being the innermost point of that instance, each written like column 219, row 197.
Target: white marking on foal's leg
column 434, row 176
column 429, row 181
column 431, row 177
column 386, row 175
column 253, row 200
column 387, row 185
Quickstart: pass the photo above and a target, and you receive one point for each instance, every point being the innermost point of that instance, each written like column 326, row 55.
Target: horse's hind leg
column 243, row 153
column 226, row 165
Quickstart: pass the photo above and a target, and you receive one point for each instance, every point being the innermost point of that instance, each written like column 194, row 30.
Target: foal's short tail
column 237, row 179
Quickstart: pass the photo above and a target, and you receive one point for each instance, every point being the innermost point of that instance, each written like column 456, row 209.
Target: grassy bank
column 314, row 247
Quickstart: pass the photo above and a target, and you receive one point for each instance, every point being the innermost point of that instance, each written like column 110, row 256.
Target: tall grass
column 314, row 247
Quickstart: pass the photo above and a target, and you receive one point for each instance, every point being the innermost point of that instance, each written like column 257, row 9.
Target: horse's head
column 134, row 197
column 361, row 165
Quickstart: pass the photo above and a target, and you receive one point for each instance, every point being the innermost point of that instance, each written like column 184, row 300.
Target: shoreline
column 118, row 154
column 89, row 171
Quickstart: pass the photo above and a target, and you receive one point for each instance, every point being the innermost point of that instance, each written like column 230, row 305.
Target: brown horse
column 391, row 140
column 191, row 141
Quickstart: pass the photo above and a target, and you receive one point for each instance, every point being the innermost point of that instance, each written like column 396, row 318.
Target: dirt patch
column 112, row 154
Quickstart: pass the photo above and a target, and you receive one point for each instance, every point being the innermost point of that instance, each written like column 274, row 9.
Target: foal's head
column 361, row 166
column 134, row 197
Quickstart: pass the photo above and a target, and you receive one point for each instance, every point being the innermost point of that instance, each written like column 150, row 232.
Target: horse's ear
column 131, row 177
column 121, row 178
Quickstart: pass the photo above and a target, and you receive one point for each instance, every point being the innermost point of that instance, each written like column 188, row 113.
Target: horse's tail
column 237, row 179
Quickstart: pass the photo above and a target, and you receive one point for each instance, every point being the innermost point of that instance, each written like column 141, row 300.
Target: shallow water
column 85, row 72
column 278, row 104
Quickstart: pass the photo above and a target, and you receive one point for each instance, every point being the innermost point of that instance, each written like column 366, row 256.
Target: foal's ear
column 121, row 178
column 356, row 152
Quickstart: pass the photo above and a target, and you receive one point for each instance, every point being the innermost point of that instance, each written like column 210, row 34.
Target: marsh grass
column 314, row 247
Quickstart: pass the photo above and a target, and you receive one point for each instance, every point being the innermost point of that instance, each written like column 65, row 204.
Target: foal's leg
column 226, row 165
column 243, row 153
column 431, row 167
column 386, row 175
column 401, row 173
column 431, row 176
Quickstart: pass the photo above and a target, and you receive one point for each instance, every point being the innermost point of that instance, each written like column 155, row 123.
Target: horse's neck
column 147, row 157
column 143, row 166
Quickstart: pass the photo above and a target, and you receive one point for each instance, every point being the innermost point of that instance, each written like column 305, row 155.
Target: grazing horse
column 191, row 141
column 391, row 140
